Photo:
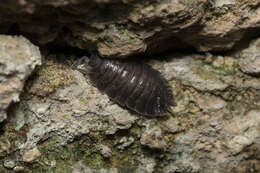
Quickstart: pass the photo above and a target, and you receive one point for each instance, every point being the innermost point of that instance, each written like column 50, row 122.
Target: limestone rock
column 153, row 139
column 194, row 73
column 18, row 58
column 105, row 151
column 79, row 167
column 130, row 27
column 10, row 164
column 249, row 61
column 146, row 165
column 221, row 141
column 31, row 154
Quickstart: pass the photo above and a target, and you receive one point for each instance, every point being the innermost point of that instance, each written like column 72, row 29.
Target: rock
column 133, row 27
column 31, row 155
column 153, row 138
column 225, row 144
column 147, row 165
column 102, row 170
column 219, row 62
column 105, row 151
column 193, row 73
column 238, row 143
column 10, row 164
column 221, row 3
column 18, row 168
column 18, row 58
column 209, row 103
column 172, row 125
column 211, row 130
column 249, row 61
column 5, row 145
column 113, row 170
column 80, row 167
column 124, row 142
column 124, row 120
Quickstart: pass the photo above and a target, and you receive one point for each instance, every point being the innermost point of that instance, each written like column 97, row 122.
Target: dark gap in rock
column 66, row 50
column 11, row 111
column 2, row 128
column 119, row 133
column 250, row 35
column 171, row 44
column 14, row 29
column 152, row 151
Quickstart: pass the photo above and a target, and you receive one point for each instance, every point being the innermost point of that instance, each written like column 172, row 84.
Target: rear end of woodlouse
column 134, row 85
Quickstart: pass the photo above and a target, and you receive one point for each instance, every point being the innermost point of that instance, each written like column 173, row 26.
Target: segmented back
column 134, row 85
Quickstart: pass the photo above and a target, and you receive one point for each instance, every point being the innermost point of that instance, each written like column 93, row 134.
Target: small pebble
column 18, row 168
column 9, row 164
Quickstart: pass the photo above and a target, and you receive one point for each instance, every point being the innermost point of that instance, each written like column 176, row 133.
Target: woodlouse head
column 81, row 64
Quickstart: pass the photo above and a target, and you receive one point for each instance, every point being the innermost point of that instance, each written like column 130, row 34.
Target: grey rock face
column 194, row 73
column 132, row 26
column 147, row 165
column 105, row 151
column 221, row 3
column 124, row 143
column 204, row 124
column 9, row 164
column 219, row 143
column 81, row 168
column 31, row 154
column 153, row 139
column 73, row 111
column 249, row 61
column 214, row 128
column 18, row 58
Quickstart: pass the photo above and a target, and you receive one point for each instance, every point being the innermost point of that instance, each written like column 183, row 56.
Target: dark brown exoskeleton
column 134, row 85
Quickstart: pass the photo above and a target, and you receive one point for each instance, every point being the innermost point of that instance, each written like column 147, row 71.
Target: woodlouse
column 134, row 85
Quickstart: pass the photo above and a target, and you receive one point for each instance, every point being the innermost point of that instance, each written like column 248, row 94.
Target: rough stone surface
column 147, row 165
column 18, row 58
column 133, row 26
column 249, row 61
column 105, row 151
column 64, row 119
column 195, row 73
column 81, row 168
column 219, row 143
column 64, row 124
column 153, row 139
column 124, row 142
column 31, row 154
column 9, row 164
column 172, row 125
column 221, row 3
column 18, row 169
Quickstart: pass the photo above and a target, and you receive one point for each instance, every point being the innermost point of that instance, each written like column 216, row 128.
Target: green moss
column 206, row 74
column 127, row 35
column 107, row 36
column 2, row 169
column 67, row 156
column 125, row 162
column 94, row 160
column 81, row 99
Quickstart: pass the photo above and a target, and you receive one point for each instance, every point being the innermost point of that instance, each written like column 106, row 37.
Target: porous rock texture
column 122, row 28
column 18, row 58
column 64, row 124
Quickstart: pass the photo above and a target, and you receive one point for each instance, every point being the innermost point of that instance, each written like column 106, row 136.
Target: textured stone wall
column 125, row 27
column 54, row 120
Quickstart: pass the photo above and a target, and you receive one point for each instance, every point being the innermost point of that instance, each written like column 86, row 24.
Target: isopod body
column 131, row 84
